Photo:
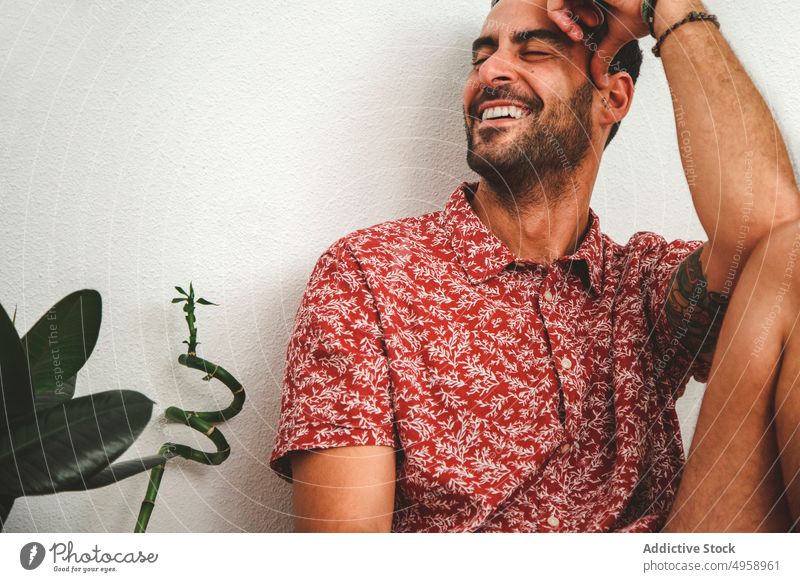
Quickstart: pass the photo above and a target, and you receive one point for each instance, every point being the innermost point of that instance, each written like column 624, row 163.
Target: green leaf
column 179, row 299
column 119, row 471
column 58, row 345
column 181, row 291
column 202, row 301
column 16, row 396
column 62, row 448
column 67, row 388
column 6, row 503
column 191, row 290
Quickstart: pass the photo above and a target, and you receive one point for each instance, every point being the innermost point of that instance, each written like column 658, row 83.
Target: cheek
column 471, row 89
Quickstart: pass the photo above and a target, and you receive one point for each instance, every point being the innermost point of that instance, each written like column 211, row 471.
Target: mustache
column 534, row 104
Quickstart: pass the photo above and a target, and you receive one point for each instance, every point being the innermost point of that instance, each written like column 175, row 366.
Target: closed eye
column 478, row 62
column 527, row 54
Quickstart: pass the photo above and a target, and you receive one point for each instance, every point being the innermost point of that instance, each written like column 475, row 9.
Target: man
column 502, row 365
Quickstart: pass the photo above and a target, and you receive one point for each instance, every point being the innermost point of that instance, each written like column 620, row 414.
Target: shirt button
column 548, row 295
column 565, row 448
column 552, row 521
column 566, row 363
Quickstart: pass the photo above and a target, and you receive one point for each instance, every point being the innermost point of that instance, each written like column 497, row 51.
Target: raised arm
column 344, row 489
column 734, row 157
column 733, row 154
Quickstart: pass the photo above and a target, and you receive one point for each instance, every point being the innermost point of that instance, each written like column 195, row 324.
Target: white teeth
column 508, row 111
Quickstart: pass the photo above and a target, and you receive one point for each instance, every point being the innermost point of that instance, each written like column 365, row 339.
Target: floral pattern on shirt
column 518, row 396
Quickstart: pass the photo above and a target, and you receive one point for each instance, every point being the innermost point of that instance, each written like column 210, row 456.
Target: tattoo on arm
column 695, row 313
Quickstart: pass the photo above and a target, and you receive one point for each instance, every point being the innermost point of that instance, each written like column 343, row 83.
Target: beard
column 540, row 161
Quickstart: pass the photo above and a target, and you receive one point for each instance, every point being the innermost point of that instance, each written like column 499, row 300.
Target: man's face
column 527, row 101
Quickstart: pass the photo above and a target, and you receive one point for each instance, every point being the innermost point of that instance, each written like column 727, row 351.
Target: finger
column 557, row 5
column 560, row 12
column 589, row 14
column 577, row 15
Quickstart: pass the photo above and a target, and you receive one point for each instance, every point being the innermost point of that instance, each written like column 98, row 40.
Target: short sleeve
column 660, row 260
column 336, row 386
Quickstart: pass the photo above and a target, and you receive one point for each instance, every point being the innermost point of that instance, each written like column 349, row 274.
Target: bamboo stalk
column 199, row 421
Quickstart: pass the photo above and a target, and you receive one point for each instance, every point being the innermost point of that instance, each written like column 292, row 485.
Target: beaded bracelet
column 691, row 17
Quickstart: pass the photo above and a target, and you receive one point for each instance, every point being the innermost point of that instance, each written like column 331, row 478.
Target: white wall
column 146, row 144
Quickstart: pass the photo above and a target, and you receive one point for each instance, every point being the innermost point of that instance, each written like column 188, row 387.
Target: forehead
column 509, row 16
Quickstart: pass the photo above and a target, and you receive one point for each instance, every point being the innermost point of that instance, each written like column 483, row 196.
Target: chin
column 495, row 147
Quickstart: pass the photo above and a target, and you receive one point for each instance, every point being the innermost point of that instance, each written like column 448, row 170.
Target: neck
column 538, row 223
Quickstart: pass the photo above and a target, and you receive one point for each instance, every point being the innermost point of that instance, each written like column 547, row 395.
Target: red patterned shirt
column 519, row 396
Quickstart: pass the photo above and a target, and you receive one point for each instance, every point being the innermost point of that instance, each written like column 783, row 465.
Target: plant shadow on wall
column 52, row 442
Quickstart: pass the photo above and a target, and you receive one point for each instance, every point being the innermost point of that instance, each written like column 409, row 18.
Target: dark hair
column 627, row 59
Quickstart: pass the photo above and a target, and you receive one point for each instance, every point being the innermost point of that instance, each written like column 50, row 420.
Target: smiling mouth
column 495, row 116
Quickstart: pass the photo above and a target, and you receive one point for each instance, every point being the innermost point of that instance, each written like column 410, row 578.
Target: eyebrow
column 557, row 40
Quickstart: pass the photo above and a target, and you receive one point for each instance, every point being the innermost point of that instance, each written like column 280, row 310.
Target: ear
column 616, row 99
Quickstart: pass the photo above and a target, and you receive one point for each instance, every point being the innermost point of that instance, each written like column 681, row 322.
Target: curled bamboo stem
column 198, row 420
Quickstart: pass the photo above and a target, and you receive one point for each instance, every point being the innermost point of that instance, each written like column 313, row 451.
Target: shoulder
column 645, row 257
column 410, row 238
column 353, row 271
column 649, row 249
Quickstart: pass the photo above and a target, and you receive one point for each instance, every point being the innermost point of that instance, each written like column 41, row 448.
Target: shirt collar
column 482, row 255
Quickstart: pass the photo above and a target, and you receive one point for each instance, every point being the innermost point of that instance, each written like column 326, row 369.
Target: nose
column 497, row 70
